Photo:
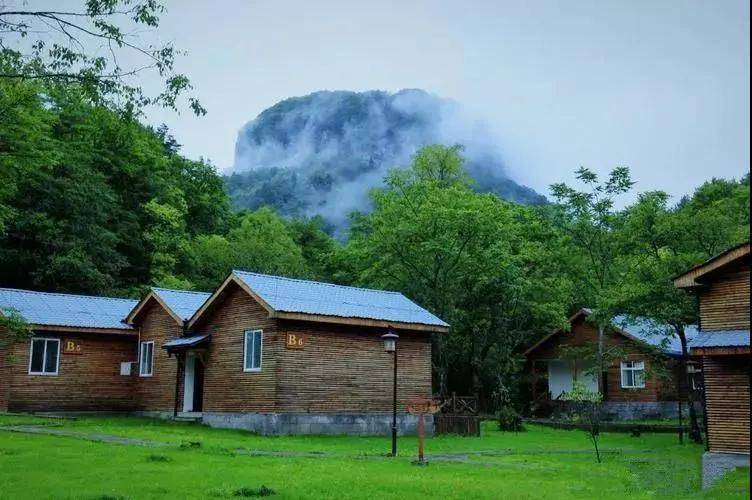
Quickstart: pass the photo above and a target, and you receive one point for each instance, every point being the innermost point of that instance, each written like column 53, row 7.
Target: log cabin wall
column 583, row 333
column 227, row 388
column 5, row 374
column 724, row 303
column 727, row 398
column 87, row 381
column 157, row 392
column 343, row 368
column 340, row 368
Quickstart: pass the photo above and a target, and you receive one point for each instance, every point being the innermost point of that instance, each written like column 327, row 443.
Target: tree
column 318, row 248
column 659, row 242
column 56, row 47
column 86, row 194
column 587, row 409
column 260, row 242
column 476, row 261
column 592, row 223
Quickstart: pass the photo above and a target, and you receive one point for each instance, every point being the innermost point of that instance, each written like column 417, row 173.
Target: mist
column 322, row 153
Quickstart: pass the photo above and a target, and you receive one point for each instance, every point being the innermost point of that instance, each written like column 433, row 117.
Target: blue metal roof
column 182, row 302
column 722, row 338
column 62, row 309
column 185, row 341
column 655, row 334
column 312, row 297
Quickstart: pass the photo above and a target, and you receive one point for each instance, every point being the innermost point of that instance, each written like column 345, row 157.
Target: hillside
column 320, row 154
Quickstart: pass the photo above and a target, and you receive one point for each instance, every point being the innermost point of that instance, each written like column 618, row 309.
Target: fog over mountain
column 320, row 154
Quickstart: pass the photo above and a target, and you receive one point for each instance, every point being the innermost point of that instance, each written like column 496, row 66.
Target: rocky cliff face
column 322, row 153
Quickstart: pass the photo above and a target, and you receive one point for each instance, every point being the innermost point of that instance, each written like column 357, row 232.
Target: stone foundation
column 714, row 465
column 641, row 410
column 633, row 410
column 352, row 424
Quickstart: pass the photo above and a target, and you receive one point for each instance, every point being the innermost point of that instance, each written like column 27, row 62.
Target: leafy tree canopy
column 87, row 47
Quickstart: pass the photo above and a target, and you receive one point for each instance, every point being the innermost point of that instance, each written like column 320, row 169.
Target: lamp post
column 390, row 346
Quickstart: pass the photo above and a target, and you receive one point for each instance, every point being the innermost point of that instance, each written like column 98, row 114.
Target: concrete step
column 189, row 416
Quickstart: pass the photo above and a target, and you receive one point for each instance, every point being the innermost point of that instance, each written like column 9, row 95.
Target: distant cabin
column 633, row 385
column 722, row 287
column 265, row 353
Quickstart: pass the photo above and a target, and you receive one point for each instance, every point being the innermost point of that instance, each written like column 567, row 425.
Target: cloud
column 336, row 146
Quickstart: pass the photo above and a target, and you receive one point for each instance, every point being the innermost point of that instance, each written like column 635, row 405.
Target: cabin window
column 695, row 376
column 146, row 359
column 44, row 357
column 632, row 374
column 252, row 350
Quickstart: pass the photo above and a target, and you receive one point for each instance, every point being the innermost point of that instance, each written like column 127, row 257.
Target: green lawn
column 176, row 460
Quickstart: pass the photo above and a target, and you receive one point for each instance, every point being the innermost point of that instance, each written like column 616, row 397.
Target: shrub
column 509, row 419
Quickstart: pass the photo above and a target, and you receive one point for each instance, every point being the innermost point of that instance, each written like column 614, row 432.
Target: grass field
column 117, row 458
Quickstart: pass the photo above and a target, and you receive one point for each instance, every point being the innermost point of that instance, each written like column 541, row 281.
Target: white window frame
column 632, row 366
column 44, row 356
column 246, row 335
column 141, row 364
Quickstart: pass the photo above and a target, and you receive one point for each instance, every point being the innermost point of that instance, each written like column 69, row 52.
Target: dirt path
column 85, row 436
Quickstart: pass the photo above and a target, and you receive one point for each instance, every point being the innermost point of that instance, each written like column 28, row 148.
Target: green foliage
column 259, row 242
column 658, row 242
column 483, row 264
column 92, row 201
column 13, row 327
column 586, row 408
column 509, row 420
column 50, row 46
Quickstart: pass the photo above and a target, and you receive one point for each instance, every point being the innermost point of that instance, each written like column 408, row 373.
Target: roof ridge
column 319, row 282
column 180, row 291
column 61, row 294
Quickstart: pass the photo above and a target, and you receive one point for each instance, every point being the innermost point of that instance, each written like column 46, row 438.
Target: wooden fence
column 458, row 415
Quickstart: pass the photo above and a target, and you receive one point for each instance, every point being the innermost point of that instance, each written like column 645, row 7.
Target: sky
column 660, row 86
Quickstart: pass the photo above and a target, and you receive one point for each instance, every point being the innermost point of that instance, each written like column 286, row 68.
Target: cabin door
column 560, row 376
column 193, row 384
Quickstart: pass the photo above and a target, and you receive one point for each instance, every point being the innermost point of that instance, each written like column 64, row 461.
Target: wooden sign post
column 420, row 407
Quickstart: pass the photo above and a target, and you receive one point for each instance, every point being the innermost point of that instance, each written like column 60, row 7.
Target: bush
column 510, row 420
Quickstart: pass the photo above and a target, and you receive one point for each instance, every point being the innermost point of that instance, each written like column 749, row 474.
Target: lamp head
column 390, row 341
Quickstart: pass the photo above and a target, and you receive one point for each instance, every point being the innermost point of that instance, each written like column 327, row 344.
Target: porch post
column 177, row 384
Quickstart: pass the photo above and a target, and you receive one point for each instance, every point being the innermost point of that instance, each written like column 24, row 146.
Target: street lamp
column 390, row 346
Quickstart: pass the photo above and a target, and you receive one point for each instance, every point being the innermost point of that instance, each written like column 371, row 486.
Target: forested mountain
column 321, row 154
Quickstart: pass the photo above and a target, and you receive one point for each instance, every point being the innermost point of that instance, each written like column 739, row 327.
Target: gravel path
column 85, row 436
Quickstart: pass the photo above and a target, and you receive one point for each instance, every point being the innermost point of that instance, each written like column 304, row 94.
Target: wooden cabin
column 644, row 382
column 76, row 358
column 263, row 353
column 722, row 288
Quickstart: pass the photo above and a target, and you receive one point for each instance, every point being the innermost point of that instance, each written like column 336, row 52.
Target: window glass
column 37, row 355
column 257, row 349
column 146, row 359
column 253, row 346
column 50, row 356
column 632, row 374
column 44, row 356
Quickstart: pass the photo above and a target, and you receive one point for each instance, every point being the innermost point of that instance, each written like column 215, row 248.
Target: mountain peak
column 320, row 154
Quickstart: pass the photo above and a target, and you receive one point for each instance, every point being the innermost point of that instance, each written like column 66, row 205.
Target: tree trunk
column 694, row 426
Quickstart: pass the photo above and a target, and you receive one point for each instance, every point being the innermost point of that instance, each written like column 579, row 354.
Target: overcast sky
column 660, row 86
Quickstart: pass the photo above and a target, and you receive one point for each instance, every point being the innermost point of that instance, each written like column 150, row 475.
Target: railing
column 458, row 415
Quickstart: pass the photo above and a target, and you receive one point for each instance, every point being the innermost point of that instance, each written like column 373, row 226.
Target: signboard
column 72, row 347
column 294, row 341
